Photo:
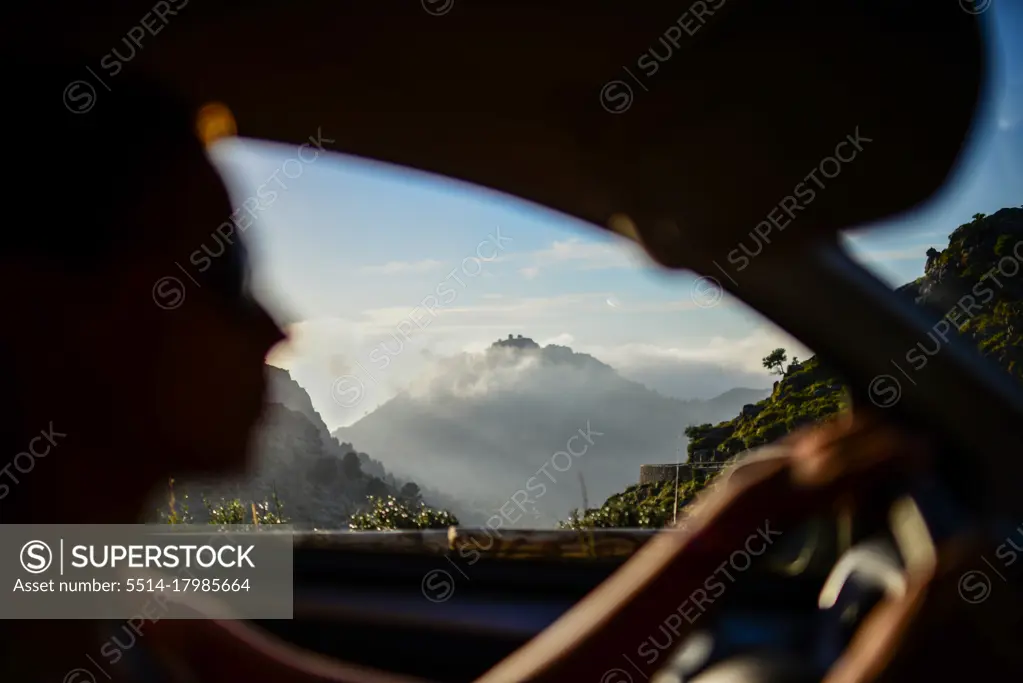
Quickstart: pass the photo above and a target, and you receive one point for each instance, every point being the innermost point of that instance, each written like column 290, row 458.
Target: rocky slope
column 297, row 458
column 976, row 284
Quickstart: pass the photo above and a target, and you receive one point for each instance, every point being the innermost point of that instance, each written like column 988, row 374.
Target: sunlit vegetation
column 391, row 513
column 642, row 506
column 381, row 513
column 984, row 259
column 224, row 512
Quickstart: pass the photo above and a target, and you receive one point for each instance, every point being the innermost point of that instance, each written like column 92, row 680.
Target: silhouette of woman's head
column 146, row 364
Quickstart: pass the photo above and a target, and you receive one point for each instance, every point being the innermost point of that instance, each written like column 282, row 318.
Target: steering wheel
column 594, row 640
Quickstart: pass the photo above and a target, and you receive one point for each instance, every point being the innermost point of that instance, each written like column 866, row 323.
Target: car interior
column 532, row 101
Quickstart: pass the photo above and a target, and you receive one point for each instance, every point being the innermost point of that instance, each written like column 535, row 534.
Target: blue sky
column 349, row 252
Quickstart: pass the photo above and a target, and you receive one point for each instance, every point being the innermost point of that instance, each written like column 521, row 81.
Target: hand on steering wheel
column 818, row 467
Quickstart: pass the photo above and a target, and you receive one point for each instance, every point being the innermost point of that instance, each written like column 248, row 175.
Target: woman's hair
column 84, row 156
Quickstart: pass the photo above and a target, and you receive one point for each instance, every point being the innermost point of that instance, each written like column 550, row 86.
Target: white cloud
column 321, row 339
column 584, row 255
column 475, row 374
column 491, row 317
column 671, row 306
column 522, row 311
column 509, row 311
column 700, row 370
column 401, row 267
column 320, row 351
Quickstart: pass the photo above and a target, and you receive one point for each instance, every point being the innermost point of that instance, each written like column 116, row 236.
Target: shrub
column 389, row 513
column 226, row 511
column 235, row 512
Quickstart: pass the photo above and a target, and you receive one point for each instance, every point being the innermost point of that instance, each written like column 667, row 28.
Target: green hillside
column 976, row 284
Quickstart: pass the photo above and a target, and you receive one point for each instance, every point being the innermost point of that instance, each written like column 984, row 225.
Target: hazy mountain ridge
column 479, row 426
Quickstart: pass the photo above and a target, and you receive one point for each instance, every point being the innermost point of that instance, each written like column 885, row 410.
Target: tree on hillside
column 376, row 487
column 775, row 361
column 351, row 466
column 410, row 491
column 979, row 216
column 696, row 431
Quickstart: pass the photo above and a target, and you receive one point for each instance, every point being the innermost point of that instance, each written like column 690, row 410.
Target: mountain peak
column 515, row 350
column 519, row 342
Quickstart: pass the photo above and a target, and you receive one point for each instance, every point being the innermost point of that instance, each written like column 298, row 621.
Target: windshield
column 460, row 348
column 489, row 358
column 461, row 357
